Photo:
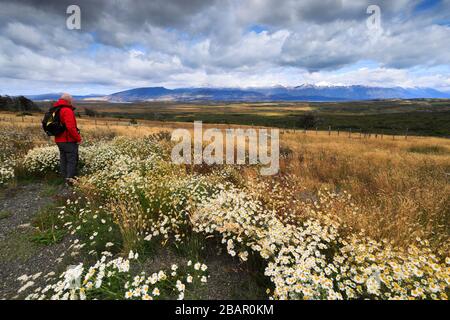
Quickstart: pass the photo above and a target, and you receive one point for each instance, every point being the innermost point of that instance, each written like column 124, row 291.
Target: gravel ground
column 21, row 203
column 18, row 255
column 42, row 260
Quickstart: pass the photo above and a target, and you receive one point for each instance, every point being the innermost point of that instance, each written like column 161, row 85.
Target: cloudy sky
column 224, row 43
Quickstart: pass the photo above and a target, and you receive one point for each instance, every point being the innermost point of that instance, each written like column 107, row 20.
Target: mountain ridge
column 304, row 92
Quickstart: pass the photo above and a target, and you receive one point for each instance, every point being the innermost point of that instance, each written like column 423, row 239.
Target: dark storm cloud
column 225, row 19
column 128, row 13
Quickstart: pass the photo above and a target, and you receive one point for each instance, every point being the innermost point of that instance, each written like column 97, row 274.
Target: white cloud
column 189, row 43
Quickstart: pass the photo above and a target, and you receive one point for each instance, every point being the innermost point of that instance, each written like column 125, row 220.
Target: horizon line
column 229, row 87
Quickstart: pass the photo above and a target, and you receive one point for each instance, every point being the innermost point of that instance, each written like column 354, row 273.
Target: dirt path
column 18, row 255
column 19, row 205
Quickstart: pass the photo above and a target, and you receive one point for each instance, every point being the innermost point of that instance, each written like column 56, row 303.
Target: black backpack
column 51, row 122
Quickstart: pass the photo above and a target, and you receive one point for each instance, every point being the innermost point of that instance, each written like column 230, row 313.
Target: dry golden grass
column 402, row 185
column 403, row 194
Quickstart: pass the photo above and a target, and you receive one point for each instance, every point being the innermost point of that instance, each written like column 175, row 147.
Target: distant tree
column 306, row 121
column 90, row 112
column 17, row 104
column 156, row 116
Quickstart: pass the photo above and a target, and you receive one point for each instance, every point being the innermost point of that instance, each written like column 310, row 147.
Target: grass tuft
column 48, row 237
column 5, row 214
column 49, row 227
column 429, row 149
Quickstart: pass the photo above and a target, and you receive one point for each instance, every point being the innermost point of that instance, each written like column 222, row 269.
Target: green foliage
column 52, row 187
column 307, row 121
column 5, row 214
column 91, row 112
column 193, row 246
column 93, row 226
column 49, row 228
column 429, row 149
column 47, row 218
column 48, row 237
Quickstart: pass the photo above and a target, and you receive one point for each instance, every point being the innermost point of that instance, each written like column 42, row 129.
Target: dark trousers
column 68, row 159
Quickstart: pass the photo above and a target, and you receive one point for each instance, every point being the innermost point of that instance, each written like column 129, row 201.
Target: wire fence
column 351, row 133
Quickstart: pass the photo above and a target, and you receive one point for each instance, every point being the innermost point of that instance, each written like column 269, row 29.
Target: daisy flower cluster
column 13, row 145
column 113, row 279
column 41, row 160
column 142, row 197
column 6, row 170
column 145, row 195
column 171, row 284
column 153, row 206
column 315, row 258
column 131, row 194
column 94, row 157
column 92, row 225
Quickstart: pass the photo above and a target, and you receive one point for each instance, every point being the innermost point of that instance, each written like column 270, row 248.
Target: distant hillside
column 299, row 93
column 56, row 95
column 19, row 103
column 303, row 92
column 139, row 94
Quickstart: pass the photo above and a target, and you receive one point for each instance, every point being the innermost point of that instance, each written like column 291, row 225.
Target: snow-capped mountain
column 304, row 92
column 278, row 93
column 56, row 95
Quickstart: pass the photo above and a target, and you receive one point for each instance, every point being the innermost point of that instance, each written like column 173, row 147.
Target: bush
column 113, row 279
column 42, row 160
column 430, row 149
column 90, row 112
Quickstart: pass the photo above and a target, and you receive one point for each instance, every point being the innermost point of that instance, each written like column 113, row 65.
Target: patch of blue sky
column 93, row 48
column 368, row 64
column 138, row 47
column 443, row 69
column 257, row 28
column 185, row 35
column 426, row 5
column 442, row 22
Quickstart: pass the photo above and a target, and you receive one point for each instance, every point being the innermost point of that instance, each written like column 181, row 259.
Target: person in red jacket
column 68, row 140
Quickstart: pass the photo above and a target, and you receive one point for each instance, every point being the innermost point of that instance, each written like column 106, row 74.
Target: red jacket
column 67, row 117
